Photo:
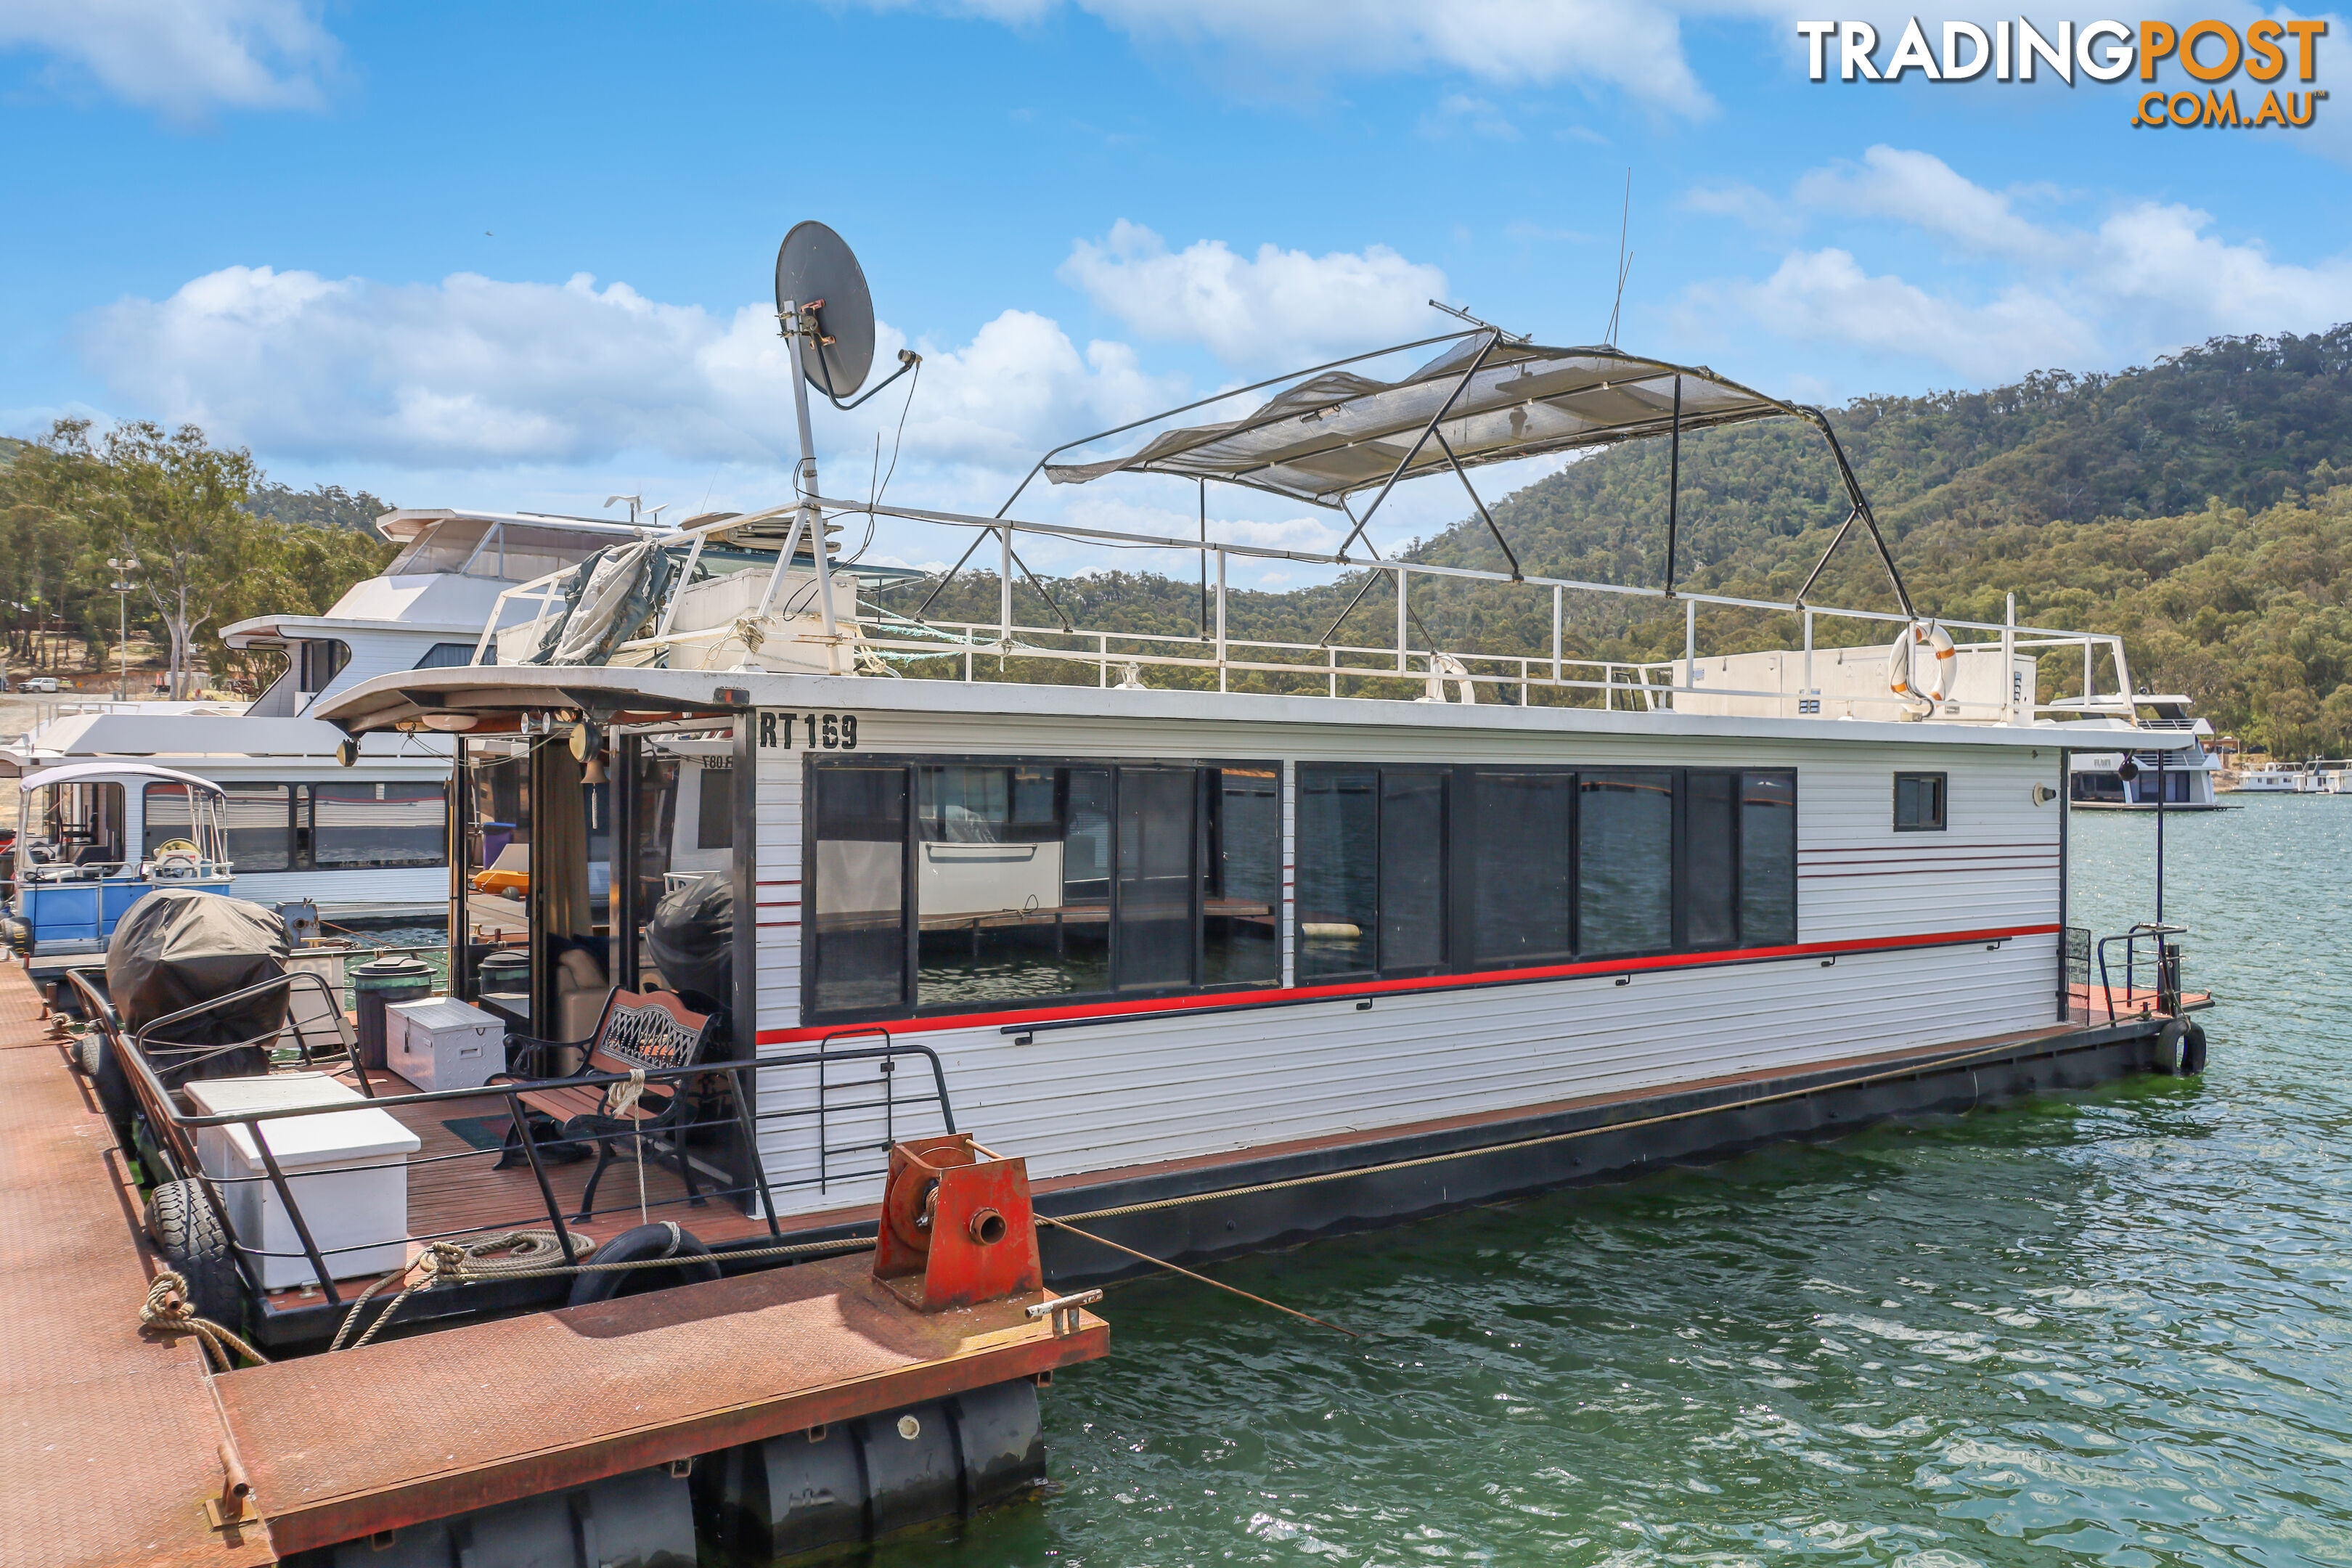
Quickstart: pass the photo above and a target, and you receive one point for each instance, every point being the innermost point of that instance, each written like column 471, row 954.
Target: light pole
column 121, row 587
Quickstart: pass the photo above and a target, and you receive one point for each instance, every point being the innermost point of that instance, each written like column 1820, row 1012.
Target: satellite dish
column 815, row 268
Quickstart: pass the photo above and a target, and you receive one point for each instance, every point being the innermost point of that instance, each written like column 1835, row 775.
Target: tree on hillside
column 171, row 500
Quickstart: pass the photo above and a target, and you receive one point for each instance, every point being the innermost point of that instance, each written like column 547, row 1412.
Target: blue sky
column 519, row 254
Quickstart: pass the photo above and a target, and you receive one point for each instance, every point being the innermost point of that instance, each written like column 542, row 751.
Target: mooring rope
column 456, row 1263
column 168, row 1310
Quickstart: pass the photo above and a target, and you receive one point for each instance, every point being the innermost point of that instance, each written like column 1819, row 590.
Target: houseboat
column 2279, row 778
column 2187, row 778
column 363, row 840
column 1019, row 956
column 1399, row 927
column 89, row 840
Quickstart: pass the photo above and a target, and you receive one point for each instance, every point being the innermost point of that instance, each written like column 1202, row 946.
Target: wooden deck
column 456, row 1190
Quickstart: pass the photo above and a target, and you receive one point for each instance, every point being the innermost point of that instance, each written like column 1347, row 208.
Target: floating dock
column 121, row 1438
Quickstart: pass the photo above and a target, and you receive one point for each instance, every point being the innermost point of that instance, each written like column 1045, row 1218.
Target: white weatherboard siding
column 417, row 888
column 1166, row 1087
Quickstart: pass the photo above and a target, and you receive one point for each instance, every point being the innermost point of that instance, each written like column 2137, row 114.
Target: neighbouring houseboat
column 2185, row 778
column 363, row 841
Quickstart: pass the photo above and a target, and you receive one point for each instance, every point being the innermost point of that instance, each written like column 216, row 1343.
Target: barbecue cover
column 692, row 939
column 178, row 948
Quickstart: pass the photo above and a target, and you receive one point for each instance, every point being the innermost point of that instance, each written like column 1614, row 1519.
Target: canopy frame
column 1167, row 453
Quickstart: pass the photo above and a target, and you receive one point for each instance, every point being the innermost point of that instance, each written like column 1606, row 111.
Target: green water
column 2111, row 1329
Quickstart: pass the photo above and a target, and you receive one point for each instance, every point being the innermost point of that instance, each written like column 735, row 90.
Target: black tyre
column 113, row 1085
column 188, row 1235
column 2192, row 1051
column 2166, row 1053
column 87, row 1049
column 663, row 1240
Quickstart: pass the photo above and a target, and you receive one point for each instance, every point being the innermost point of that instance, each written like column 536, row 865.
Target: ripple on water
column 2114, row 1329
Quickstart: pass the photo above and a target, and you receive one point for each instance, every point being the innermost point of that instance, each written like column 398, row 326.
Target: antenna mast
column 1625, row 258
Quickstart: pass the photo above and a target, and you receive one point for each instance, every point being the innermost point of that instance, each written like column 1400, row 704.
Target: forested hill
column 2193, row 505
column 2250, row 421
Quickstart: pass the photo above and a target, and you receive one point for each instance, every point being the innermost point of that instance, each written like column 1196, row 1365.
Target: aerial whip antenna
column 1625, row 259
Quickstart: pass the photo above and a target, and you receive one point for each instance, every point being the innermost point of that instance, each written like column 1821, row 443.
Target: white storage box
column 443, row 1043
column 359, row 1217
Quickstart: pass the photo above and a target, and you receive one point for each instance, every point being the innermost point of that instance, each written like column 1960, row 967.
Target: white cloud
column 182, row 57
column 1634, row 45
column 1826, row 293
column 476, row 372
column 1283, row 307
column 2148, row 278
column 1922, row 189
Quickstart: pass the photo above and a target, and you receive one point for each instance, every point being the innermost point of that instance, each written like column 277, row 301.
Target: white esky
column 486, row 257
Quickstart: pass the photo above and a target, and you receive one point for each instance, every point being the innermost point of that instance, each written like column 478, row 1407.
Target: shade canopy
column 1338, row 433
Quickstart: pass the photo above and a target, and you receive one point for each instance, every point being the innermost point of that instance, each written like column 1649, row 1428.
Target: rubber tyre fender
column 664, row 1239
column 2192, row 1051
column 112, row 1082
column 87, row 1051
column 2165, row 1050
column 189, row 1237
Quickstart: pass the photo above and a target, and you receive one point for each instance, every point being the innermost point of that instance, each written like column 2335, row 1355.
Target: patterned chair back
column 650, row 1030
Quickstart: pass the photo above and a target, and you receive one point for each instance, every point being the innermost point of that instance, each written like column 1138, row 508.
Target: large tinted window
column 1154, row 867
column 1412, row 870
column 1710, row 860
column 1625, row 856
column 1012, row 882
column 858, row 898
column 355, row 825
column 1768, row 859
column 1338, row 875
column 261, row 822
column 1241, row 878
column 1517, row 840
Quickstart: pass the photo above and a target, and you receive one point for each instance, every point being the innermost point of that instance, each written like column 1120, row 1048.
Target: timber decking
column 455, row 1191
column 111, row 1439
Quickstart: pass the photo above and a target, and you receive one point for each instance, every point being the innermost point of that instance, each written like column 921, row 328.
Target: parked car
column 40, row 683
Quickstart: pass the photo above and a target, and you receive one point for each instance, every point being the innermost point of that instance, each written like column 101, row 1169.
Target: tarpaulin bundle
column 176, row 949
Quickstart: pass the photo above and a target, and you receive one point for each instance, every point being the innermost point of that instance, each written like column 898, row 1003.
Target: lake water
column 2115, row 1328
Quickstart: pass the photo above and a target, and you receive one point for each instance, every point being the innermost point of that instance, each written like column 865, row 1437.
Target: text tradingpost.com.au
column 2208, row 54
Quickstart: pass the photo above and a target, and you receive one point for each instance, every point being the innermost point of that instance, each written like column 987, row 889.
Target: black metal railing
column 731, row 1097
column 2161, row 962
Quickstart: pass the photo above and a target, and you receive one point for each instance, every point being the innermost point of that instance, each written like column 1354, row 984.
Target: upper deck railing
column 841, row 637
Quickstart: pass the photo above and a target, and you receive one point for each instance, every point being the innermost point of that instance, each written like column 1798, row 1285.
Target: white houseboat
column 1403, row 927
column 369, row 839
column 2188, row 778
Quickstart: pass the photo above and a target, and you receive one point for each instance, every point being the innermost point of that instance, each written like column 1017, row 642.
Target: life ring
column 1904, row 676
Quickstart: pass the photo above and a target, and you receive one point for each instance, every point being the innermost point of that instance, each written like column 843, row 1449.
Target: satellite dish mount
column 826, row 317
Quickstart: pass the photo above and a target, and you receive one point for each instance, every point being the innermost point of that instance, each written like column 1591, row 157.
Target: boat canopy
column 1484, row 399
column 80, row 772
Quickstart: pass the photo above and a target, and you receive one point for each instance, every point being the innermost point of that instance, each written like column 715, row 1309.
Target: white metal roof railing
column 1228, row 655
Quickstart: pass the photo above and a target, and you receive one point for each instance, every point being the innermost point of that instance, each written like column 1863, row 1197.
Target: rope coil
column 168, row 1311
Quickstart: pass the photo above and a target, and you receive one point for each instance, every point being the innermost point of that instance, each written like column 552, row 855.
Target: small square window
column 1918, row 803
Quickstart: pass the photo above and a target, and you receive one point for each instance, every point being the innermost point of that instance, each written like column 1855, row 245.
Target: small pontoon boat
column 95, row 837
